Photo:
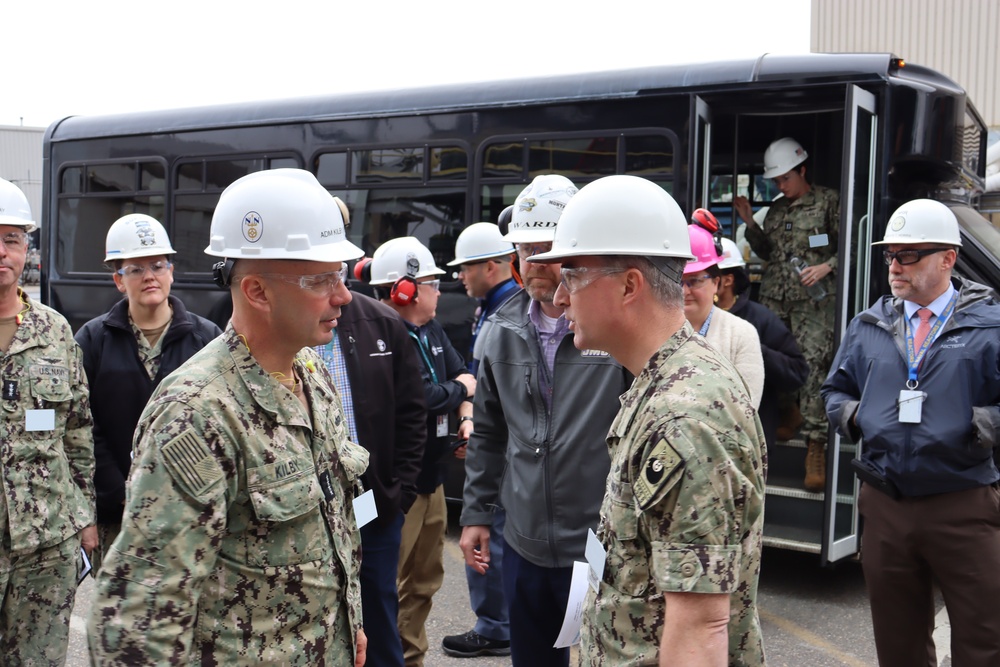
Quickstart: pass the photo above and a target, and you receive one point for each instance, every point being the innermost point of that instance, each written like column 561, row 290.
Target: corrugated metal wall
column 959, row 38
column 21, row 162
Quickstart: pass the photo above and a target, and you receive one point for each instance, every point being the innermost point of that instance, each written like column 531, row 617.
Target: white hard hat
column 279, row 214
column 403, row 257
column 136, row 235
column 620, row 215
column 14, row 209
column 732, row 258
column 538, row 207
column 782, row 156
column 922, row 221
column 480, row 241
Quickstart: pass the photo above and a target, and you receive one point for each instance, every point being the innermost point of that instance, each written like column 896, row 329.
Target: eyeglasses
column 526, row 250
column 14, row 240
column 696, row 282
column 320, row 283
column 905, row 257
column 576, row 278
column 433, row 284
column 139, row 270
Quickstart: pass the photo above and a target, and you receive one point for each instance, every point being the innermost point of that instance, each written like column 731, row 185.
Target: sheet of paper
column 596, row 555
column 83, row 567
column 364, row 508
column 570, row 632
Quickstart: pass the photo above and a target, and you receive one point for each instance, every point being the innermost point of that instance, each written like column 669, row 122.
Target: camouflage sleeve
column 695, row 521
column 833, row 224
column 175, row 515
column 758, row 240
column 78, row 439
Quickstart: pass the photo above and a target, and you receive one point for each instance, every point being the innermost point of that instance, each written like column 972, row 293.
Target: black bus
column 426, row 162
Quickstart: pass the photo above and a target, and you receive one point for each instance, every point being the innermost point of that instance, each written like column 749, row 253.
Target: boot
column 791, row 420
column 815, row 480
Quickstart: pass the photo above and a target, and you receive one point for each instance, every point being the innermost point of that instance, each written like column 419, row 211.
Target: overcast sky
column 65, row 57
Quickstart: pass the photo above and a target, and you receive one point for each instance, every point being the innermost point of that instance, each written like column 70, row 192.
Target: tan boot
column 815, row 467
column 791, row 420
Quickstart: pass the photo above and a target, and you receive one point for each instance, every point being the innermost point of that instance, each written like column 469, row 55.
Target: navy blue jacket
column 443, row 395
column 785, row 369
column 951, row 449
column 120, row 388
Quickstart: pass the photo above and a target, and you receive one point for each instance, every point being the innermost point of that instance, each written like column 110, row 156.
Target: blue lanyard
column 916, row 357
column 426, row 357
column 708, row 320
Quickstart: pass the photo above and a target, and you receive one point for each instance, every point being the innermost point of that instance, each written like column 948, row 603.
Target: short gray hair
column 666, row 290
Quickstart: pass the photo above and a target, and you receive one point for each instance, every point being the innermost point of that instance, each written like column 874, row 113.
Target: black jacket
column 444, row 394
column 388, row 397
column 785, row 369
column 120, row 388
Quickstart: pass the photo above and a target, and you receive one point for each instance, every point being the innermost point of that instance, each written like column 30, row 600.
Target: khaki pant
column 37, row 590
column 421, row 571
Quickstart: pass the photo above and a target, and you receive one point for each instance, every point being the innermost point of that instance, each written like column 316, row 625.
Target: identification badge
column 364, row 508
column 910, row 405
column 442, row 426
column 819, row 240
column 596, row 555
column 40, row 420
column 788, row 226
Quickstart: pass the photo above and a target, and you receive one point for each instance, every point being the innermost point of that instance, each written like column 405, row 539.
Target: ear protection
column 704, row 219
column 404, row 291
column 363, row 270
column 222, row 272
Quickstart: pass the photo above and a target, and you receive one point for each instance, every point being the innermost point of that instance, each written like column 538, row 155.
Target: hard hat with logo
column 136, row 235
column 703, row 246
column 403, row 257
column 782, row 156
column 620, row 215
column 732, row 258
column 279, row 214
column 922, row 221
column 14, row 209
column 538, row 208
column 479, row 242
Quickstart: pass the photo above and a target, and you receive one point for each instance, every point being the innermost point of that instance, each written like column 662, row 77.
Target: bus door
column 700, row 153
column 841, row 537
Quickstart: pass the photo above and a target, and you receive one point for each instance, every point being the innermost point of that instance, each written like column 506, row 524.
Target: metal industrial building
column 21, row 161
column 955, row 37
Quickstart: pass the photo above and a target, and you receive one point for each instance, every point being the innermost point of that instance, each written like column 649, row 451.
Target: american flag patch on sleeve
column 191, row 464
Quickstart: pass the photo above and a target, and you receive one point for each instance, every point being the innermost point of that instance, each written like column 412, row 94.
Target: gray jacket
column 546, row 467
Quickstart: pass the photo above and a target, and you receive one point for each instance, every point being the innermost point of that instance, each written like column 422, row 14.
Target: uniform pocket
column 627, row 566
column 286, row 499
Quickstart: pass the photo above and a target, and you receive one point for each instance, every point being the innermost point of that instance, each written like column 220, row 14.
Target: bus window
column 586, row 157
column 433, row 215
column 504, row 159
column 650, row 156
column 331, row 168
column 192, row 220
column 448, row 163
column 382, row 165
column 91, row 198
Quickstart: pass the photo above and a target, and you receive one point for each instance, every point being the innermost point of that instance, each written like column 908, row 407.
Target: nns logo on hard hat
column 538, row 207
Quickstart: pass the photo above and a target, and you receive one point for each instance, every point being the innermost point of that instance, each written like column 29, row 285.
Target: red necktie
column 923, row 328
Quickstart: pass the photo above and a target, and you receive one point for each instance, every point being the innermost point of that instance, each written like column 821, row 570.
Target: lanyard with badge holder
column 910, row 400
column 442, row 420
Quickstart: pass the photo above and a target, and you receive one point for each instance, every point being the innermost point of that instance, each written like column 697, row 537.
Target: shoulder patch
column 659, row 471
column 191, row 464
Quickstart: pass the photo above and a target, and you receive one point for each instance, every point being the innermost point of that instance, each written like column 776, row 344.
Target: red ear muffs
column 404, row 291
column 363, row 270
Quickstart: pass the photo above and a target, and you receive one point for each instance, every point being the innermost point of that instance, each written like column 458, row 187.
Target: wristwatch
column 464, row 418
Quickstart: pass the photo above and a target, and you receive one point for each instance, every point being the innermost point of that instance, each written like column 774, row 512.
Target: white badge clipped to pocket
column 910, row 405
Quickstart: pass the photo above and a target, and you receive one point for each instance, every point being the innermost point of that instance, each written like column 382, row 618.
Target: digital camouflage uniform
column 48, row 490
column 683, row 510
column 787, row 229
column 238, row 544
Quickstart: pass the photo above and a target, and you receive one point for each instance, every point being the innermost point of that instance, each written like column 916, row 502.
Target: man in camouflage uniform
column 46, row 459
column 238, row 544
column 803, row 224
column 682, row 517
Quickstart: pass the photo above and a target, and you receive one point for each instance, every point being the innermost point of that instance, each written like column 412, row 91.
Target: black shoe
column 473, row 644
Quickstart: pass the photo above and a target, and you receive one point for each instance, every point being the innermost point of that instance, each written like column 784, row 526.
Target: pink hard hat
column 704, row 249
